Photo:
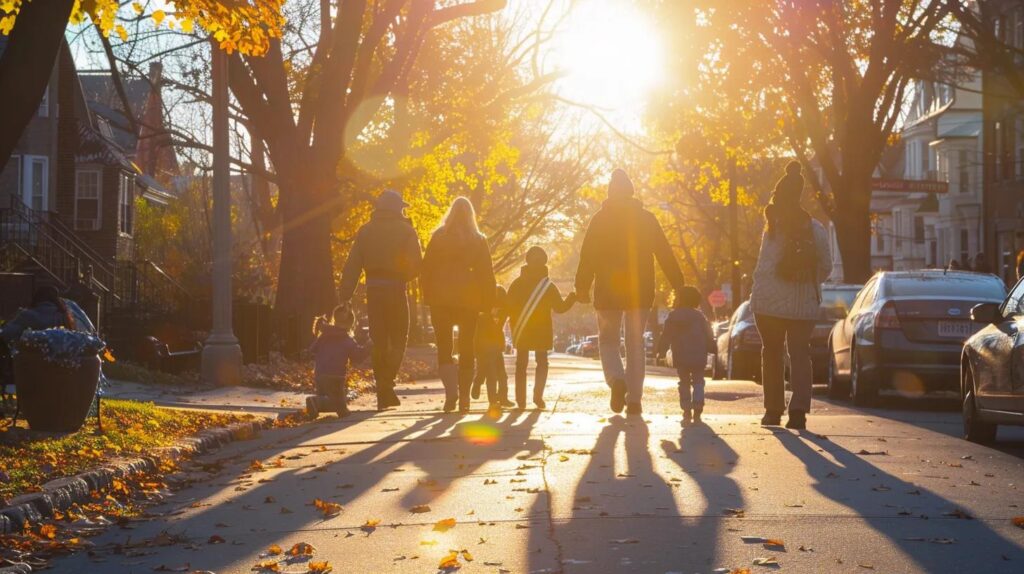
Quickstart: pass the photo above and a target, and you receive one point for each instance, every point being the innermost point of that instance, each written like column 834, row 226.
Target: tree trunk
column 26, row 64
column 852, row 219
column 305, row 285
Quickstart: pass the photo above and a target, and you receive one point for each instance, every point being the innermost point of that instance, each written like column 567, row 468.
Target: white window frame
column 18, row 168
column 27, row 181
column 125, row 199
column 97, row 223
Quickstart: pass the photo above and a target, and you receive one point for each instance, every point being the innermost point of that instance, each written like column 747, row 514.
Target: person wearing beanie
column 620, row 246
column 387, row 250
column 793, row 261
column 532, row 298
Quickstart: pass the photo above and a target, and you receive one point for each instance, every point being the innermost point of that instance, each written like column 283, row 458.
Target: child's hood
column 334, row 333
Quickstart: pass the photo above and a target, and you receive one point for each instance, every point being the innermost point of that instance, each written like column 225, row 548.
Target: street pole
column 734, row 243
column 222, row 357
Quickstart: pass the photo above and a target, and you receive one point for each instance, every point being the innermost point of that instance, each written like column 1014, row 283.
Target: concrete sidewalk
column 577, row 490
column 257, row 401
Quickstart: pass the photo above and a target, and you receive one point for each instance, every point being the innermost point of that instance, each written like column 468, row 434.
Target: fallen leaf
column 328, row 509
column 866, row 566
column 773, row 543
column 419, row 509
column 319, row 567
column 267, row 566
column 450, row 562
column 958, row 513
column 444, row 525
column 216, row 539
column 1018, row 521
column 863, row 452
column 769, row 561
column 302, row 549
column 466, row 555
column 274, row 550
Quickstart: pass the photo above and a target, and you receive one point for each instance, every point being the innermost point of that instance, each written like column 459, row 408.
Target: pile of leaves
column 27, row 461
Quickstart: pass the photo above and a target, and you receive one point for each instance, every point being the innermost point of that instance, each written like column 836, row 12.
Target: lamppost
column 222, row 357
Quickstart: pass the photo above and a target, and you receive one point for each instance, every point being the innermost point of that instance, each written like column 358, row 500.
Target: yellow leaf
column 320, row 567
column 6, row 24
column 467, row 556
column 450, row 562
column 274, row 550
column 327, row 508
column 137, row 7
column 444, row 525
column 186, row 26
column 123, row 34
column 48, row 531
column 419, row 509
column 158, row 17
column 370, row 525
column 267, row 566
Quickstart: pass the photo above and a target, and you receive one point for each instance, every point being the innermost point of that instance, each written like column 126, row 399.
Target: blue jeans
column 691, row 387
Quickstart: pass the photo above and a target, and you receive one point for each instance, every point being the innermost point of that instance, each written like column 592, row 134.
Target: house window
column 34, row 178
column 964, row 255
column 125, row 195
column 88, row 198
column 919, row 229
column 44, row 104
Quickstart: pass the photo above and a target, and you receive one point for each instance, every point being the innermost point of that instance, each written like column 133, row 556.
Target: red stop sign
column 717, row 298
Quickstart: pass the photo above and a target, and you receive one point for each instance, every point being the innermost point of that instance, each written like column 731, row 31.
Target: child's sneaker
column 311, row 407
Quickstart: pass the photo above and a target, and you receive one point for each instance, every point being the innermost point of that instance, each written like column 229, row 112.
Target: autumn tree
column 833, row 77
column 35, row 31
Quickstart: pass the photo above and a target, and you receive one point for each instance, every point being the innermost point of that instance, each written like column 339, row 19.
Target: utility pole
column 734, row 243
column 222, row 356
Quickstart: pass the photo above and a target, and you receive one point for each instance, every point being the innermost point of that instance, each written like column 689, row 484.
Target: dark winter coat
column 538, row 332
column 457, row 272
column 621, row 243
column 334, row 350
column 386, row 248
column 688, row 333
column 490, row 334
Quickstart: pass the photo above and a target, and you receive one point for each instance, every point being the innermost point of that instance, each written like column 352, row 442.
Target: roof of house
column 106, row 105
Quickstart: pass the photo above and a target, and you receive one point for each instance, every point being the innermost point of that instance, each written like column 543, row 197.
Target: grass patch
column 129, row 428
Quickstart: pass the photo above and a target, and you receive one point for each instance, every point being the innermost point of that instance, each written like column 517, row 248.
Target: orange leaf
column 274, row 550
column 48, row 531
column 302, row 549
column 450, row 562
column 1018, row 521
column 419, row 509
column 320, row 567
column 267, row 566
column 444, row 525
column 327, row 508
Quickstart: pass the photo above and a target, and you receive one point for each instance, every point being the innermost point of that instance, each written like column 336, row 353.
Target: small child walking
column 532, row 298
column 333, row 351
column 688, row 333
column 490, row 355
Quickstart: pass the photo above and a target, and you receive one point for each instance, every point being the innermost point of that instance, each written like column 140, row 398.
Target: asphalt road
column 575, row 489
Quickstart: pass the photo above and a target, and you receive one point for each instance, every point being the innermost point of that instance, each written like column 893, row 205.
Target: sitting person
column 333, row 351
column 49, row 310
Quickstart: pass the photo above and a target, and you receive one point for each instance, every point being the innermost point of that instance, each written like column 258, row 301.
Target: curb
column 59, row 494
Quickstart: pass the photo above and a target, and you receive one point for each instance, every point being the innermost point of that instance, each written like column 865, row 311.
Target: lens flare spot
column 480, row 433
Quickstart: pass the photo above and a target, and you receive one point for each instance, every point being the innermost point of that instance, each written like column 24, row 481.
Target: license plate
column 958, row 329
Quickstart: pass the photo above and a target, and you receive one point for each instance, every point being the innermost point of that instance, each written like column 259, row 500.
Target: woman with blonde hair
column 458, row 283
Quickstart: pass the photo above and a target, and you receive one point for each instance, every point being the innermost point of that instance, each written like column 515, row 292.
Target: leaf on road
column 216, row 539
column 1018, row 521
column 444, row 525
column 775, row 544
column 753, row 539
column 420, row 509
column 267, row 566
column 943, row 541
column 769, row 561
column 269, row 500
column 958, row 513
column 466, row 555
column 256, row 466
column 863, row 452
column 866, row 566
column 320, row 567
column 302, row 549
column 881, row 488
column 328, row 509
column 370, row 525
column 274, row 550
column 737, row 512
column 450, row 562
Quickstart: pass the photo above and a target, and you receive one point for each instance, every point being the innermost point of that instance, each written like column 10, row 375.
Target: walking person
column 490, row 356
column 458, row 284
column 688, row 333
column 333, row 351
column 793, row 261
column 617, row 257
column 387, row 249
column 532, row 298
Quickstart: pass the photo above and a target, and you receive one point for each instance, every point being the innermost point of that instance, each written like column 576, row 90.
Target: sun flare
column 611, row 55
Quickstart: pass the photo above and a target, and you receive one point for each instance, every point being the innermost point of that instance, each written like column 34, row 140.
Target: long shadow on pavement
column 923, row 536
column 627, row 517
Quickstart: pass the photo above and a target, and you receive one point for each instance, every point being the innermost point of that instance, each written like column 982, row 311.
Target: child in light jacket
column 490, row 355
column 333, row 351
column 688, row 333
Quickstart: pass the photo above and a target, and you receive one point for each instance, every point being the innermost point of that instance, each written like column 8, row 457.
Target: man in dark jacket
column 387, row 249
column 621, row 243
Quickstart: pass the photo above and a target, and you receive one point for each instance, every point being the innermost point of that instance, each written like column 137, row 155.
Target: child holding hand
column 688, row 333
column 333, row 351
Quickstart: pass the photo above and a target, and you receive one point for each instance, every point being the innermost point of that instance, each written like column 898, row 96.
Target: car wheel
column 862, row 386
column 836, row 389
column 975, row 428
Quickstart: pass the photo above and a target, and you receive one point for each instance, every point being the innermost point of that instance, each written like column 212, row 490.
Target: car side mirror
column 987, row 313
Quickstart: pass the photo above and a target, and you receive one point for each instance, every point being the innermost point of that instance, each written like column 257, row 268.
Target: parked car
column 572, row 349
column 992, row 368
column 905, row 331
column 739, row 348
column 836, row 300
column 588, row 347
